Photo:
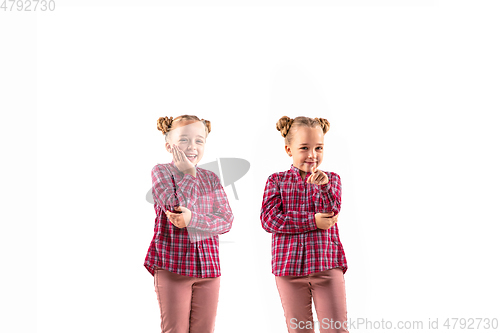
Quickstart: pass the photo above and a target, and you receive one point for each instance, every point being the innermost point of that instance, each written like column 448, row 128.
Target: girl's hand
column 325, row 220
column 181, row 219
column 317, row 177
column 181, row 161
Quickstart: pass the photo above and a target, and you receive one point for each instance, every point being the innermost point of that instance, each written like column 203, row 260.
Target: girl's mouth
column 192, row 157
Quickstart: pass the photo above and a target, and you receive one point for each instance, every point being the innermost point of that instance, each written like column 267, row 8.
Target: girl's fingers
column 311, row 179
column 174, row 152
column 322, row 178
column 183, row 156
column 179, row 154
column 316, row 178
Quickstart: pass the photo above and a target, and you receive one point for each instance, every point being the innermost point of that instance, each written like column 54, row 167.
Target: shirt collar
column 296, row 171
column 172, row 163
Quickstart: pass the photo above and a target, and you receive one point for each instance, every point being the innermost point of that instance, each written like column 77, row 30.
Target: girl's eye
column 200, row 142
column 303, row 148
column 320, row 148
column 182, row 140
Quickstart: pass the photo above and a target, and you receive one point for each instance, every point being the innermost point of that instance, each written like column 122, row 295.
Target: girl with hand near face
column 191, row 211
column 300, row 208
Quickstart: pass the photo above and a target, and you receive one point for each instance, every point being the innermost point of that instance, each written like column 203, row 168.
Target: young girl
column 300, row 208
column 191, row 211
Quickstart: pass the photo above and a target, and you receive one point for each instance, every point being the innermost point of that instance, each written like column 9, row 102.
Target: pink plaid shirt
column 194, row 250
column 299, row 247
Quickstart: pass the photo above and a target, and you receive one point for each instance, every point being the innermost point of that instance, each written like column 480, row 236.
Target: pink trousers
column 327, row 289
column 187, row 304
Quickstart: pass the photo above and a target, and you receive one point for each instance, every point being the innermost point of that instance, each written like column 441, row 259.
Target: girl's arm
column 220, row 218
column 330, row 195
column 273, row 218
column 168, row 194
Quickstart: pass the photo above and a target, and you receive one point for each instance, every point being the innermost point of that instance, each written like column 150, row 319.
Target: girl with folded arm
column 191, row 211
column 300, row 208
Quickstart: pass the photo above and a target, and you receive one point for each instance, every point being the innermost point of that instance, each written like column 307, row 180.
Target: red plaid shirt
column 299, row 247
column 194, row 250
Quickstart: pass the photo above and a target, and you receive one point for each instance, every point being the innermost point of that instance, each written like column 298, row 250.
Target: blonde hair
column 167, row 124
column 285, row 125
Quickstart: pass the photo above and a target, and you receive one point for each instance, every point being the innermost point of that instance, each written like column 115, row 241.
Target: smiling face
column 306, row 148
column 190, row 137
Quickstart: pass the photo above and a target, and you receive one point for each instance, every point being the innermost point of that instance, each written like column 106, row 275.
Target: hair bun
column 325, row 124
column 164, row 124
column 207, row 124
column 283, row 125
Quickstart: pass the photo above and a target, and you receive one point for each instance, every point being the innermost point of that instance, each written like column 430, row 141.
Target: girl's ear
column 287, row 150
column 169, row 148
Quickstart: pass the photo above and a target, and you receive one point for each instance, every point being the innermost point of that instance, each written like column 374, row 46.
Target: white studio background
column 410, row 88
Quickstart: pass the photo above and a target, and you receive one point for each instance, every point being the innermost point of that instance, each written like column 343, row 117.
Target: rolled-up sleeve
column 330, row 195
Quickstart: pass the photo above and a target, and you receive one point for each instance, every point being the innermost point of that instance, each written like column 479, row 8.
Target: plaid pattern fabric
column 299, row 247
column 194, row 250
